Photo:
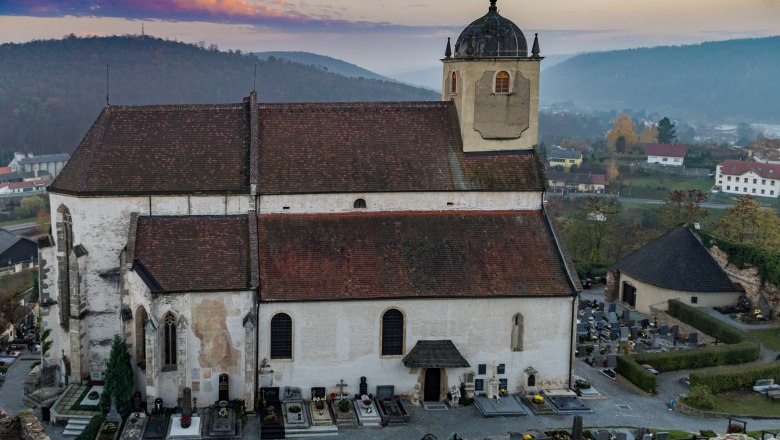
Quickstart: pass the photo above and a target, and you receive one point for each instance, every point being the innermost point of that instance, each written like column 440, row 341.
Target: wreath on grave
column 93, row 395
column 343, row 405
column 294, row 409
column 223, row 413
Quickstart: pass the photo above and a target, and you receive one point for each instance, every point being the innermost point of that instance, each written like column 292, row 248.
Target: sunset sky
column 391, row 36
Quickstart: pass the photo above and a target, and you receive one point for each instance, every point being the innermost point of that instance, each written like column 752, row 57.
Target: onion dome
column 491, row 36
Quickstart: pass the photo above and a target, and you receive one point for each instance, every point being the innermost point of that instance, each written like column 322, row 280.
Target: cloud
column 262, row 14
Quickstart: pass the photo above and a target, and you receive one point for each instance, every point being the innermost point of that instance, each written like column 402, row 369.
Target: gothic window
column 359, row 204
column 392, row 333
column 517, row 332
column 281, row 336
column 141, row 318
column 502, row 82
column 169, row 345
column 454, row 83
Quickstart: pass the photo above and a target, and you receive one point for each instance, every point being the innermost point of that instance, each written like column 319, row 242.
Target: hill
column 323, row 62
column 51, row 91
column 733, row 80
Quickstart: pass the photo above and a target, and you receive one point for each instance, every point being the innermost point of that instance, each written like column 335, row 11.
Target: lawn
column 746, row 403
column 770, row 337
column 657, row 187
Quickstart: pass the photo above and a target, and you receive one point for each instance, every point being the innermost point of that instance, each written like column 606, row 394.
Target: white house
column 51, row 164
column 328, row 241
column 666, row 154
column 748, row 178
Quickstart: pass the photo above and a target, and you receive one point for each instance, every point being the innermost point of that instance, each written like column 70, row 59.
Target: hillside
column 713, row 82
column 323, row 62
column 51, row 91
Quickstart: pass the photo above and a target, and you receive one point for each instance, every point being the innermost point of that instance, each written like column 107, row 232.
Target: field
column 746, row 403
column 658, row 187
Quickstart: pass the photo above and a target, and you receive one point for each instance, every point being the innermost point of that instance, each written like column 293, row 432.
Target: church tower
column 494, row 84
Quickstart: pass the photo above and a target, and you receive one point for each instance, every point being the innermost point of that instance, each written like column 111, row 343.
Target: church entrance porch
column 432, row 390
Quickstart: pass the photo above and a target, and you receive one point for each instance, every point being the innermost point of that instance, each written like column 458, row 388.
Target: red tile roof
column 161, row 150
column 666, row 150
column 6, row 170
column 738, row 168
column 419, row 254
column 190, row 254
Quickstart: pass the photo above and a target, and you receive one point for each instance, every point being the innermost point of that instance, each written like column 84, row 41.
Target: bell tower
column 494, row 84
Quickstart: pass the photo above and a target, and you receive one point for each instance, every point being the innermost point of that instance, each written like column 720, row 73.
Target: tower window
column 359, row 204
column 454, row 83
column 502, row 82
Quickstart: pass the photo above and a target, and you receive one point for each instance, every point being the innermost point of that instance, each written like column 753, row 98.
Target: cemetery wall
column 749, row 279
column 649, row 296
column 216, row 341
column 100, row 225
column 341, row 340
column 382, row 202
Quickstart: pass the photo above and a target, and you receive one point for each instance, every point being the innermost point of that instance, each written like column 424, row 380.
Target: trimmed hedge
column 92, row 429
column 636, row 374
column 702, row 357
column 707, row 323
column 737, row 377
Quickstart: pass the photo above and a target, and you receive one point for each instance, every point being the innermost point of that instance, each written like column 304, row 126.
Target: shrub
column 701, row 397
column 92, row 429
column 708, row 433
column 706, row 323
column 702, row 357
column 636, row 374
column 737, row 377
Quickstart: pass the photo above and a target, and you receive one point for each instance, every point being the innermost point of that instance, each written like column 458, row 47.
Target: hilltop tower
column 494, row 84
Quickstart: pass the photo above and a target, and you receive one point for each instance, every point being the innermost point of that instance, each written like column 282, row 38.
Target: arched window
column 281, row 336
column 502, row 82
column 392, row 333
column 141, row 318
column 359, row 204
column 454, row 83
column 517, row 332
column 169, row 345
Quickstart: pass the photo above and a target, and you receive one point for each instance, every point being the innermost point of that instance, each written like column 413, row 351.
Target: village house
column 748, row 178
column 43, row 165
column 666, row 154
column 320, row 241
column 559, row 157
column 577, row 182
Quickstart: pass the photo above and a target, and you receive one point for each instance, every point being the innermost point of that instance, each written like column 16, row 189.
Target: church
column 304, row 244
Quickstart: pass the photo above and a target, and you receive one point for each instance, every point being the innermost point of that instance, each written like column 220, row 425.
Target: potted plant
column 366, row 400
column 343, row 405
column 186, row 421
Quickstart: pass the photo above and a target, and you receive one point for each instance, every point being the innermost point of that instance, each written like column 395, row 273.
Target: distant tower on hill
column 495, row 84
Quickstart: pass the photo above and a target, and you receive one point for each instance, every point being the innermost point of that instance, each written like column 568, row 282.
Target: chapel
column 306, row 243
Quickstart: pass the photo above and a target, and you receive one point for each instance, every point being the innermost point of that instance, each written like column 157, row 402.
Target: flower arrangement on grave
column 186, row 421
column 582, row 384
column 93, row 395
column 294, row 409
column 319, row 402
column 502, row 392
column 332, row 395
column 528, row 437
column 343, row 405
column 365, row 399
column 223, row 413
column 538, row 399
column 271, row 417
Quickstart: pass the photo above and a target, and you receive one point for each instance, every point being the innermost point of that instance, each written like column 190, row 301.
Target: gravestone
column 623, row 332
column 635, row 333
column 663, row 330
column 676, row 331
column 292, row 394
column 621, row 436
column 612, row 361
column 626, row 315
column 317, row 393
column 612, row 308
column 186, row 402
column 158, row 406
column 661, row 436
column 224, row 386
column 363, row 387
column 581, row 350
column 608, row 349
column 693, row 337
column 588, row 312
column 645, row 323
column 598, row 316
column 602, row 434
column 601, row 306
column 613, row 319
column 614, row 334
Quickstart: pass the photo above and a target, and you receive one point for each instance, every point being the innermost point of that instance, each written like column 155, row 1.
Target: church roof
column 380, row 147
column 297, row 149
column 491, row 36
column 435, row 354
column 678, row 261
column 160, row 150
column 409, row 255
column 192, row 254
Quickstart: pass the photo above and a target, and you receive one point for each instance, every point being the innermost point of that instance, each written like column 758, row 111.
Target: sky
column 395, row 36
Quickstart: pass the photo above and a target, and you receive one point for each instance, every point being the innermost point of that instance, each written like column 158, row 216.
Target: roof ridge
column 470, row 212
column 177, row 107
column 354, row 104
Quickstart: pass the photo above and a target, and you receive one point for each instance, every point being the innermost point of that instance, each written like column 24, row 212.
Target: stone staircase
column 75, row 426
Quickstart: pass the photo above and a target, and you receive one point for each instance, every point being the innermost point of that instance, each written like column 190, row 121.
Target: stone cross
column 341, row 385
column 494, row 367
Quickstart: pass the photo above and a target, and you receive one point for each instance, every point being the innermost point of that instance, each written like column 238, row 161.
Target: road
column 20, row 226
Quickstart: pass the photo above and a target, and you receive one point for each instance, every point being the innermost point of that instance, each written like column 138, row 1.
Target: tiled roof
column 380, row 147
column 435, row 354
column 61, row 157
column 738, row 168
column 161, row 150
column 677, row 261
column 190, row 254
column 418, row 254
column 584, row 178
column 560, row 153
column 666, row 150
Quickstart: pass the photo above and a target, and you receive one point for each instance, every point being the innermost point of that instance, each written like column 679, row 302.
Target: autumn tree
column 29, row 207
column 592, row 229
column 747, row 222
column 623, row 132
column 42, row 221
column 666, row 131
column 612, row 172
column 649, row 135
column 683, row 206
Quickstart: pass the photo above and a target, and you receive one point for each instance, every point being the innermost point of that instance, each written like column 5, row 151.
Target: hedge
column 711, row 356
column 92, row 429
column 737, row 377
column 742, row 255
column 707, row 323
column 636, row 374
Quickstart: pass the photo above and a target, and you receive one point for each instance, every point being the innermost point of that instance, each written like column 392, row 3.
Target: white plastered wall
column 648, row 296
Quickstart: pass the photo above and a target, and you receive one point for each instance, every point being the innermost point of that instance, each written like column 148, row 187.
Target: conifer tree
column 119, row 377
column 666, row 132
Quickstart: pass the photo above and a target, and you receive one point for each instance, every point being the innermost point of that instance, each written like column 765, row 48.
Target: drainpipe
column 571, row 339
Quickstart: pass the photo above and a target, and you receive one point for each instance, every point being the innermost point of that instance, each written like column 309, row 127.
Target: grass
column 674, row 434
column 658, row 187
column 770, row 337
column 746, row 403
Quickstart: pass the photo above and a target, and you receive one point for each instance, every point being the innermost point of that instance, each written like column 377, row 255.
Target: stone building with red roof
column 320, row 241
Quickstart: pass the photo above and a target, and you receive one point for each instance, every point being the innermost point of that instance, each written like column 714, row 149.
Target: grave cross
column 494, row 367
column 341, row 385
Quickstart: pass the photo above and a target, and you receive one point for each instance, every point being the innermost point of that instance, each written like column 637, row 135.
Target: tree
column 593, row 228
column 119, row 377
column 622, row 127
column 649, row 135
column 683, row 206
column 42, row 221
column 747, row 222
column 29, row 207
column 612, row 172
column 666, row 132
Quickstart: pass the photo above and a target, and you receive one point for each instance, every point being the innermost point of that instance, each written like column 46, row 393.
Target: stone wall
column 749, row 279
column 613, row 286
column 22, row 426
